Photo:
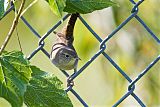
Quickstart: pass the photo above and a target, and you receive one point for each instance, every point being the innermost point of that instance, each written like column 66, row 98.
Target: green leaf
column 57, row 6
column 45, row 90
column 15, row 73
column 1, row 8
column 86, row 6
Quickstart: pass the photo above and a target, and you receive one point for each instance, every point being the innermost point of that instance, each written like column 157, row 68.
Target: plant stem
column 29, row 6
column 14, row 24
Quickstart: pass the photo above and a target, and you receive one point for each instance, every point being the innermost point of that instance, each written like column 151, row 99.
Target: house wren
column 63, row 54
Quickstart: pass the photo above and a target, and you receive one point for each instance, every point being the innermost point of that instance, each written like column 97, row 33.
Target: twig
column 14, row 24
column 30, row 5
column 19, row 42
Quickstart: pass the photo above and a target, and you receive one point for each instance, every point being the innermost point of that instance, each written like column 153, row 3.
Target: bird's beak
column 78, row 58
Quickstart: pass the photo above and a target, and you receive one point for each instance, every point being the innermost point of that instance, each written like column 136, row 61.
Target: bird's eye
column 67, row 56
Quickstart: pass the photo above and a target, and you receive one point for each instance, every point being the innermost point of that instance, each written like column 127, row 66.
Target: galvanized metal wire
column 102, row 42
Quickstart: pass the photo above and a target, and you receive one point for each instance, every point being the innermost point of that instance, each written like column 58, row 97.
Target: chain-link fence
column 102, row 43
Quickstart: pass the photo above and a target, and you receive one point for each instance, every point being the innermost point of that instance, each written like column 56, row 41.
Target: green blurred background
column 100, row 84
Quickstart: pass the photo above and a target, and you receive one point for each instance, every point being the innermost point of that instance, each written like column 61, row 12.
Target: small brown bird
column 63, row 54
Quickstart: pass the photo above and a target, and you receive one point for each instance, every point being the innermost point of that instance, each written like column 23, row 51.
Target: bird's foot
column 70, row 82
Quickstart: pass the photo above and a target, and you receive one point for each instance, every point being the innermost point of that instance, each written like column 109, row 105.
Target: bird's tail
column 69, row 29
